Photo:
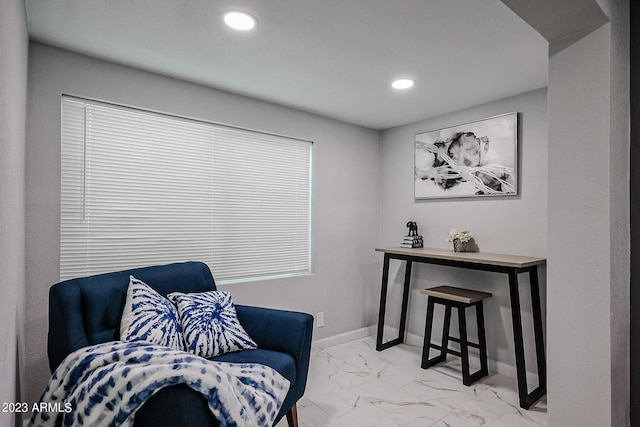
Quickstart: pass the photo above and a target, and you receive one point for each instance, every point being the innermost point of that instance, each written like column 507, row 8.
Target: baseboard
column 342, row 338
column 496, row 366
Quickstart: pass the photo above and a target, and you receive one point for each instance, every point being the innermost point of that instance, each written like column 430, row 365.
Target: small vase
column 459, row 245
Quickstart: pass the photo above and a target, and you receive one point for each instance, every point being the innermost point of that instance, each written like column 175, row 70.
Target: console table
column 508, row 264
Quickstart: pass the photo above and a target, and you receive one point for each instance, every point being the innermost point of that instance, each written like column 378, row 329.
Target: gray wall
column 619, row 203
column 513, row 225
column 345, row 191
column 588, row 253
column 13, row 95
column 588, row 290
column 589, row 257
column 579, row 280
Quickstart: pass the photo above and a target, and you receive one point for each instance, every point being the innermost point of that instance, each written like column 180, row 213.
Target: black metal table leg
column 527, row 399
column 482, row 339
column 405, row 299
column 516, row 318
column 539, row 337
column 383, row 302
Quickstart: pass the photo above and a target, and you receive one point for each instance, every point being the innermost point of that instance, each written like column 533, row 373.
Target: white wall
column 512, row 225
column 345, row 193
column 13, row 95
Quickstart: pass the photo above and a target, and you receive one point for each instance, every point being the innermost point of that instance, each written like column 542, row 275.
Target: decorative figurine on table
column 413, row 228
column 413, row 239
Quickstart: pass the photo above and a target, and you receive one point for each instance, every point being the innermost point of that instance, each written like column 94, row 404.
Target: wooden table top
column 503, row 260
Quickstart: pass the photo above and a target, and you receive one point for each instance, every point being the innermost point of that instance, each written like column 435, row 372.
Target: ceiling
column 335, row 58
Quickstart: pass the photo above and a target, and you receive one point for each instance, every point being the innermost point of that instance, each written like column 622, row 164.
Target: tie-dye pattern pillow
column 210, row 324
column 150, row 317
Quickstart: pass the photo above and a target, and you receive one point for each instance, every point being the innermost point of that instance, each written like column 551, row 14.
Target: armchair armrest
column 280, row 330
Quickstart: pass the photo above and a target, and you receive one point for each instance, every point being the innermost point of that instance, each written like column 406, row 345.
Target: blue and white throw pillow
column 210, row 323
column 150, row 317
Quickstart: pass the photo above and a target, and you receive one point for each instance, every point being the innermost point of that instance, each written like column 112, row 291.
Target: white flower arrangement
column 462, row 235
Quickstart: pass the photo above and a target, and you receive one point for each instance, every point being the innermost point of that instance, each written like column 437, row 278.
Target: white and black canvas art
column 469, row 160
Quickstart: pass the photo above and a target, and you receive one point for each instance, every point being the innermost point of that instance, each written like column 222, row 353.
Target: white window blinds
column 141, row 188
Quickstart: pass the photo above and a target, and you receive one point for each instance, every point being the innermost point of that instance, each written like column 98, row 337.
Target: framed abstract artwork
column 474, row 159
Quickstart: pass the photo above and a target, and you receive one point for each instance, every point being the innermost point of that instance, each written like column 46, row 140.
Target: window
column 141, row 188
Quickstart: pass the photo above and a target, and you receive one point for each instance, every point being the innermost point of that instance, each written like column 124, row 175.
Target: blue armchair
column 87, row 311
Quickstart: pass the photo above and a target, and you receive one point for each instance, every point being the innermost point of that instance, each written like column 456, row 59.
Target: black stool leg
column 467, row 378
column 445, row 333
column 464, row 347
column 426, row 346
column 426, row 361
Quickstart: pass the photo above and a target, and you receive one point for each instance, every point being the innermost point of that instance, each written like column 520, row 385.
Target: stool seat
column 461, row 299
column 466, row 296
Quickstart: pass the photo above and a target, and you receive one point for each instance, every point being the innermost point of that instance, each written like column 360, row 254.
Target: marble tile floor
column 353, row 385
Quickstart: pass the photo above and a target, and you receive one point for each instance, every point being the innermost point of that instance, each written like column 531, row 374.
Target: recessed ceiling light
column 239, row 20
column 402, row 84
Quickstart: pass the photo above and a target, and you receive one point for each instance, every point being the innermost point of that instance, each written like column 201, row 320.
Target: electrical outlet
column 320, row 319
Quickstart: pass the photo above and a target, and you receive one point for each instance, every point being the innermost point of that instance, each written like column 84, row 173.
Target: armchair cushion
column 148, row 316
column 284, row 363
column 210, row 323
column 282, row 331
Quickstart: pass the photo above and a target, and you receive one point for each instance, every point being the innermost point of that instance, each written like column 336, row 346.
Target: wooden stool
column 460, row 299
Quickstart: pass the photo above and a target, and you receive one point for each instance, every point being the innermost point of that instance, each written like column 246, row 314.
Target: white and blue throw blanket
column 104, row 384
